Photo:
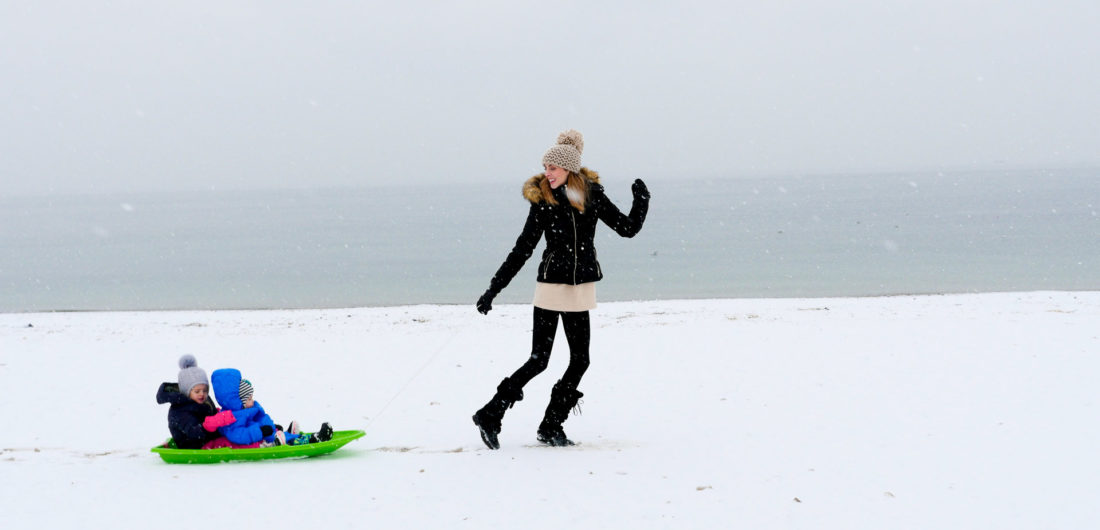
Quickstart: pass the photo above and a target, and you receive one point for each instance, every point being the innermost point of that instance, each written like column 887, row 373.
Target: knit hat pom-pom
column 187, row 361
column 572, row 137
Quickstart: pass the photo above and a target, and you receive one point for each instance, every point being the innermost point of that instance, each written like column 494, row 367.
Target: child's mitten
column 221, row 419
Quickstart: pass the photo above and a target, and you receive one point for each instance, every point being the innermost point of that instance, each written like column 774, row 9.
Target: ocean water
column 795, row 236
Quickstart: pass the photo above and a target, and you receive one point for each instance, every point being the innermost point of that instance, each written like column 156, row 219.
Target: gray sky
column 139, row 95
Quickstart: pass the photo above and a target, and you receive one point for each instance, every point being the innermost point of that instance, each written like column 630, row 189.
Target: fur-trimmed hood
column 532, row 189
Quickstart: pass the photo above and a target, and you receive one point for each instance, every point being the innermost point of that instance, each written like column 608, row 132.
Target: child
column 192, row 418
column 252, row 427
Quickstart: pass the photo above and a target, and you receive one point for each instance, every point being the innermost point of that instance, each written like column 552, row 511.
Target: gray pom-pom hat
column 191, row 374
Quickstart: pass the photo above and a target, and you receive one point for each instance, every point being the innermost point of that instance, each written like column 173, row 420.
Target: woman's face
column 556, row 175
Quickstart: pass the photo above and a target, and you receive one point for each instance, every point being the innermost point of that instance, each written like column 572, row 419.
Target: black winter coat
column 570, row 255
column 185, row 417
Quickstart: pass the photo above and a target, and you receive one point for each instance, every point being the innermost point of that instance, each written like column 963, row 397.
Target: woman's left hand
column 640, row 190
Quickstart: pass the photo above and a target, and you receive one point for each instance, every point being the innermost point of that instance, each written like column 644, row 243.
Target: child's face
column 198, row 393
column 247, row 403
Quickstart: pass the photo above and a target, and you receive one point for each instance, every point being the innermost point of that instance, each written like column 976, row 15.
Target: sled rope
column 413, row 378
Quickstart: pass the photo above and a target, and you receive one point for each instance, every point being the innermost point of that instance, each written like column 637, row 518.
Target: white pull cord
column 411, row 379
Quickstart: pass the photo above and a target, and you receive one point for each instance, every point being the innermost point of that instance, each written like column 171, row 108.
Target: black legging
column 578, row 331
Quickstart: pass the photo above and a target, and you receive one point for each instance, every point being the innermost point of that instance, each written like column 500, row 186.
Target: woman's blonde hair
column 576, row 184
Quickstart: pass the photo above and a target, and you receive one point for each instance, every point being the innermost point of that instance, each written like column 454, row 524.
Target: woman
column 566, row 201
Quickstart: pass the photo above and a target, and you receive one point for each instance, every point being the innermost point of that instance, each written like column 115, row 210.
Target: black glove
column 640, row 190
column 266, row 430
column 485, row 303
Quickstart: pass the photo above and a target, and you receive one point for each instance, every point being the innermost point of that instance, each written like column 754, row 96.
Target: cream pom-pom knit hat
column 566, row 152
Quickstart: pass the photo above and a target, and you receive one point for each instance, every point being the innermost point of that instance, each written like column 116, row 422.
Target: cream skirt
column 565, row 297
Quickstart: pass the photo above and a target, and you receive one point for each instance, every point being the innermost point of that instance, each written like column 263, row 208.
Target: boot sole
column 552, row 443
column 486, row 436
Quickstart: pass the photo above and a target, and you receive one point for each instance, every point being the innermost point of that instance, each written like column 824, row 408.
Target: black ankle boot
column 488, row 418
column 562, row 399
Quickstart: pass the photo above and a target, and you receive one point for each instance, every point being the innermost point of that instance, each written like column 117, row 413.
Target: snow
column 952, row 411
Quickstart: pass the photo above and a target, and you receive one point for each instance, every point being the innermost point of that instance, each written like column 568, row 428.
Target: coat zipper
column 575, row 257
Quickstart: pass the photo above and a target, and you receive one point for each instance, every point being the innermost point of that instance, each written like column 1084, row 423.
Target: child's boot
column 322, row 435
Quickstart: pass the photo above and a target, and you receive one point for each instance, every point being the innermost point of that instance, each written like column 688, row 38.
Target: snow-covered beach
column 945, row 411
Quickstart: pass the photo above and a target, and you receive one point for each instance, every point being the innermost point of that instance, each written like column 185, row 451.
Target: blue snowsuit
column 246, row 430
column 226, row 383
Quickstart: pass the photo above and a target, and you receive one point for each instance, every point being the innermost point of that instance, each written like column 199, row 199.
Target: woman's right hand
column 485, row 303
column 640, row 190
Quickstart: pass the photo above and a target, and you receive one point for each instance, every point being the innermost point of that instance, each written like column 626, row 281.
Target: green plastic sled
column 170, row 454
